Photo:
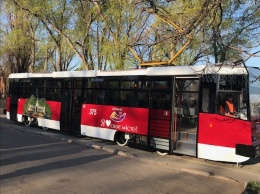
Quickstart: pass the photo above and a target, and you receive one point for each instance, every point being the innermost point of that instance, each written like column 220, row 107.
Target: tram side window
column 14, row 88
column 25, row 88
column 101, row 97
column 143, row 99
column 208, row 93
column 89, row 96
column 160, row 97
column 233, row 93
column 160, row 100
column 113, row 97
column 127, row 98
column 143, row 83
column 52, row 89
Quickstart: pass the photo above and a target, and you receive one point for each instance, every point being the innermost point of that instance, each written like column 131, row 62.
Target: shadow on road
column 66, row 163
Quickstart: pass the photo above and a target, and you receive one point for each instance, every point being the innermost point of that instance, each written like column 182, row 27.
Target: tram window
column 90, row 83
column 38, row 82
column 160, row 100
column 127, row 98
column 162, row 85
column 48, row 94
column 40, row 92
column 187, row 85
column 143, row 83
column 100, row 82
column 56, row 93
column 25, row 92
column 237, row 99
column 89, row 96
column 78, row 83
column 232, row 82
column 101, row 94
column 14, row 87
column 190, row 100
column 127, row 84
column 25, row 83
column 113, row 97
column 142, row 99
column 57, row 83
column 113, row 84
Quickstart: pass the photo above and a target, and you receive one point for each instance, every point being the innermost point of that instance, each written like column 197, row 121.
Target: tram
column 174, row 109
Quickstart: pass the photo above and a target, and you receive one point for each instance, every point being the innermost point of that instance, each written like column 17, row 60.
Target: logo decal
column 117, row 118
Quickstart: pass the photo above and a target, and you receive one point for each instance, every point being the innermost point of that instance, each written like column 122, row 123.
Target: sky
column 254, row 61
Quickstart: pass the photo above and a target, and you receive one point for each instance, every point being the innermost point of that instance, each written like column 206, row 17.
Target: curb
column 88, row 145
column 209, row 174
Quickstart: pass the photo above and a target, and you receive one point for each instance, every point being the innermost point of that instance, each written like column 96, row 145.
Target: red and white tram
column 175, row 109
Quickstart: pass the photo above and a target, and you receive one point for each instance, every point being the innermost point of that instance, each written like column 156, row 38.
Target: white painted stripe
column 219, row 153
column 19, row 118
column 8, row 115
column 97, row 132
column 52, row 124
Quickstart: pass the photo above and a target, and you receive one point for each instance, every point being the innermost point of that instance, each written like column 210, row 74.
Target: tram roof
column 196, row 70
column 61, row 74
column 29, row 75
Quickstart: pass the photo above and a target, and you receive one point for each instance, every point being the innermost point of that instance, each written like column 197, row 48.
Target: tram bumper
column 248, row 150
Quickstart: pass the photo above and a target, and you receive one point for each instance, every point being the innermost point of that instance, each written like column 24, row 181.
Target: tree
column 216, row 28
column 17, row 43
column 98, row 34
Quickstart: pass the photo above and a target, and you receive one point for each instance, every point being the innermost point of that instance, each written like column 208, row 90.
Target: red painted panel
column 159, row 133
column 55, row 109
column 224, row 131
column 21, row 103
column 159, row 123
column 8, row 101
column 160, row 114
column 131, row 120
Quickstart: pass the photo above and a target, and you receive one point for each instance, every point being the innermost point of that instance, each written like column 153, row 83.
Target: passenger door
column 185, row 115
column 71, row 106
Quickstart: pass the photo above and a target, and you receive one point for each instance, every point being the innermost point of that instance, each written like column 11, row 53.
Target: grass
column 253, row 187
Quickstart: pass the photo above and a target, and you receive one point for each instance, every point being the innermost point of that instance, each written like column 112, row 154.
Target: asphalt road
column 34, row 163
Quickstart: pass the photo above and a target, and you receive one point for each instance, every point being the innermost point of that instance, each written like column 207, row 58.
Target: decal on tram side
column 101, row 119
column 46, row 112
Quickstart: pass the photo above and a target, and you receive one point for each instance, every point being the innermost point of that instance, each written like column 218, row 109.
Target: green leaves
column 56, row 35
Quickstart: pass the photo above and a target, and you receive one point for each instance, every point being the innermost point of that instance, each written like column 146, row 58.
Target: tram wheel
column 121, row 140
column 27, row 122
column 45, row 128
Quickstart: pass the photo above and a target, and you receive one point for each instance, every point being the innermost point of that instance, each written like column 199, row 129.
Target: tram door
column 71, row 106
column 185, row 117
